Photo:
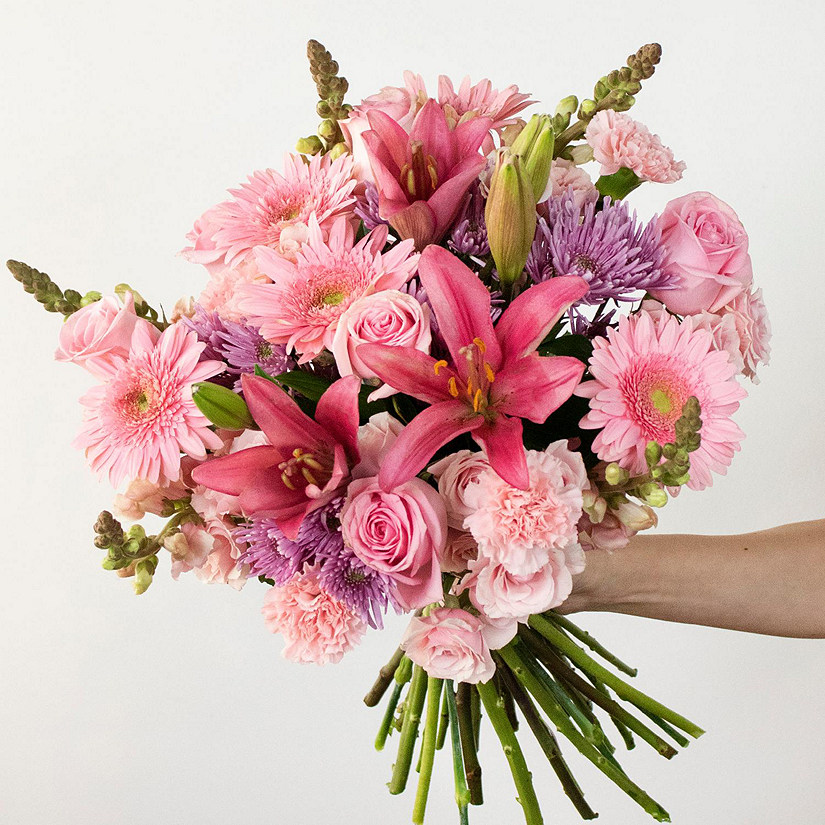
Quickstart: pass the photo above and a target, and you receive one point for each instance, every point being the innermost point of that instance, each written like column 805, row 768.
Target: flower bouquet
column 434, row 364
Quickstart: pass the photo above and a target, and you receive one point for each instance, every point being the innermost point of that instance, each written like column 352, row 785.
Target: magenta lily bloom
column 306, row 462
column 496, row 377
column 422, row 176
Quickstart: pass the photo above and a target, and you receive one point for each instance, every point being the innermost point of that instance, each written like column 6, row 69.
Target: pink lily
column 422, row 176
column 306, row 462
column 496, row 378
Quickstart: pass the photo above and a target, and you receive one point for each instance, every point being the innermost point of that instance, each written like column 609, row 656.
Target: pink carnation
column 221, row 564
column 521, row 529
column 564, row 175
column 138, row 423
column 450, row 644
column 308, row 296
column 618, row 142
column 643, row 373
column 221, row 292
column 750, row 317
column 318, row 629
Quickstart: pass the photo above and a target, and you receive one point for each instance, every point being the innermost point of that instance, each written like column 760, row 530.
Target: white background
column 120, row 125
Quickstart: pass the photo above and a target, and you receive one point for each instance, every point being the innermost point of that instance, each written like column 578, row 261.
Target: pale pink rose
column 564, row 175
column 706, row 251
column 221, row 293
column 450, row 644
column 318, row 629
column 99, row 335
column 456, row 474
column 500, row 594
column 618, row 142
column 390, row 317
column 142, row 496
column 460, row 550
column 204, row 250
column 374, row 441
column 400, row 533
column 520, row 529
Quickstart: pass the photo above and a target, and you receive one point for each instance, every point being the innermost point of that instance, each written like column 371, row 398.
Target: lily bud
column 535, row 148
column 511, row 218
column 224, row 408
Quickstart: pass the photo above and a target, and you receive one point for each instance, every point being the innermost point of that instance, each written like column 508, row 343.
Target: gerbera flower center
column 656, row 389
column 282, row 210
column 306, row 468
column 419, row 177
column 139, row 400
column 480, row 376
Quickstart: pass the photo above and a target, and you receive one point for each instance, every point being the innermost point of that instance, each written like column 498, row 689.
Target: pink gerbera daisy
column 138, row 423
column 644, row 372
column 302, row 306
column 274, row 209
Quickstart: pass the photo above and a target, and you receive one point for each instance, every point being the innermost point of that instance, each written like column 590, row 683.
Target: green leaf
column 577, row 346
column 223, row 407
column 619, row 184
column 311, row 386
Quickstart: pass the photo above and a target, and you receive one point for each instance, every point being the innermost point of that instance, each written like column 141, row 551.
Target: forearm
column 771, row 581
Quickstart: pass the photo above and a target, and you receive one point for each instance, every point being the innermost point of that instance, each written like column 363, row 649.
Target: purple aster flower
column 469, row 237
column 268, row 552
column 367, row 207
column 617, row 256
column 207, row 326
column 596, row 327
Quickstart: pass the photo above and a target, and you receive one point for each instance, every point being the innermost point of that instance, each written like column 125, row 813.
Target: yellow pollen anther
column 488, row 371
column 315, row 465
column 470, row 387
column 297, row 452
column 308, row 476
column 438, row 365
column 453, row 387
column 477, row 400
column 480, row 344
column 287, row 481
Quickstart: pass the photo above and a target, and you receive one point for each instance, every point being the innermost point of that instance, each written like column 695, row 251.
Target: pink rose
column 706, row 249
column 450, row 644
column 389, row 317
column 456, row 474
column 460, row 550
column 399, row 533
column 374, row 441
column 98, row 336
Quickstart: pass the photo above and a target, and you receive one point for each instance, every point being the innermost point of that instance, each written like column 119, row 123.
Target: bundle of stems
column 550, row 677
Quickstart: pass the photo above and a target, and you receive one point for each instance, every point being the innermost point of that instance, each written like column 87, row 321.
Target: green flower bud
column 403, row 672
column 222, row 407
column 567, row 106
column 652, row 494
column 121, row 290
column 511, row 218
column 144, row 571
column 338, row 150
column 669, row 450
column 328, row 129
column 311, row 145
column 615, row 475
column 90, row 298
column 587, row 109
column 535, row 148
column 653, row 453
column 692, row 442
column 580, row 154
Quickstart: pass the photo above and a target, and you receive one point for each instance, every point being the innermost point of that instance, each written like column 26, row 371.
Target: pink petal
column 505, row 450
column 461, row 304
column 407, row 370
column 430, row 127
column 231, row 474
column 391, row 134
column 422, row 437
column 415, row 220
column 337, row 413
column 470, row 134
column 533, row 387
column 449, row 196
column 533, row 314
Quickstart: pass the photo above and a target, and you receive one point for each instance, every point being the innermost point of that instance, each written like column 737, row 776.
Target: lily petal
column 337, row 413
column 231, row 474
column 461, row 304
column 391, row 134
column 505, row 450
column 430, row 127
column 533, row 314
column 408, row 370
column 449, row 197
column 422, row 437
column 533, row 387
column 415, row 220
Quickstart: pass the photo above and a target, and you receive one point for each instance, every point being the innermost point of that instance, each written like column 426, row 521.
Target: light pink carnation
column 450, row 644
column 521, row 529
column 318, row 629
column 274, row 210
column 98, row 336
column 221, row 292
column 138, row 423
column 399, row 533
column 374, row 441
column 643, row 373
column 388, row 317
column 456, row 474
column 619, row 141
column 564, row 175
column 303, row 305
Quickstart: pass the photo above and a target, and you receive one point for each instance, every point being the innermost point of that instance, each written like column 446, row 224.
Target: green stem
column 472, row 768
column 443, row 724
column 462, row 793
column 409, row 730
column 494, row 706
column 668, row 729
column 548, row 743
column 475, row 710
column 389, row 715
column 427, row 749
column 585, row 638
column 383, row 681
column 513, row 658
column 625, row 691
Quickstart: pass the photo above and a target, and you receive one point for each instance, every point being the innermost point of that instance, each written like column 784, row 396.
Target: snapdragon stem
column 585, row 638
column 409, row 730
column 472, row 768
column 512, row 655
column 494, row 706
column 383, row 681
column 389, row 715
column 462, row 792
column 443, row 724
column 547, row 742
column 623, row 690
column 427, row 749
